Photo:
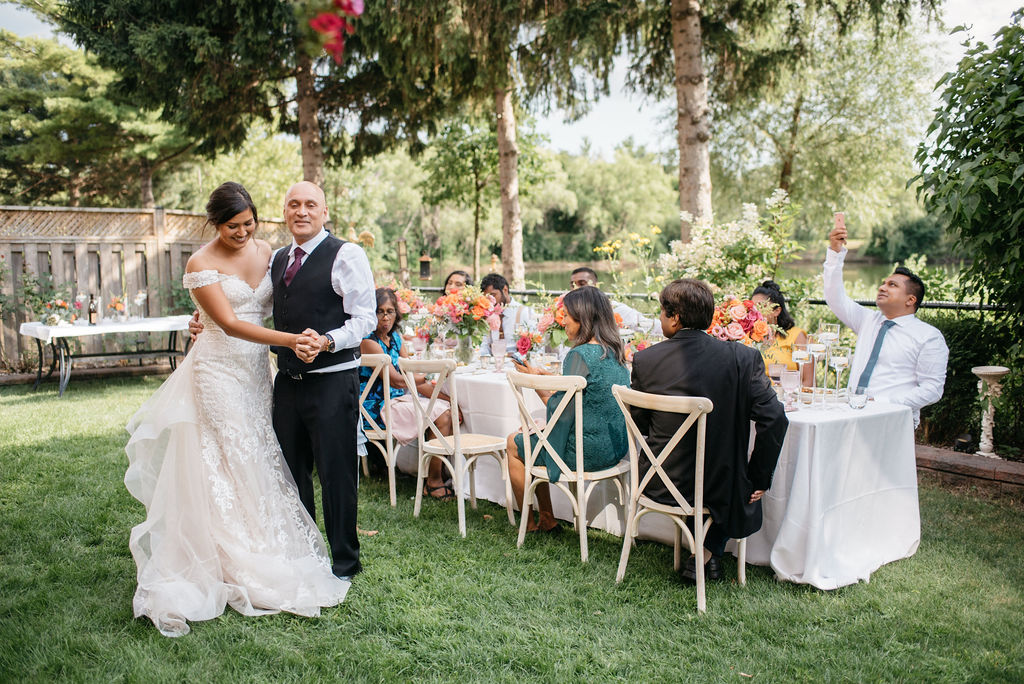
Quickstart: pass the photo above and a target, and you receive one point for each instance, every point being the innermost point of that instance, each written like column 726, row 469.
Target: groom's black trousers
column 315, row 421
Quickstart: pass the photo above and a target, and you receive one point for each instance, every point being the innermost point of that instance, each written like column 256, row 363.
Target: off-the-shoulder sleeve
column 200, row 279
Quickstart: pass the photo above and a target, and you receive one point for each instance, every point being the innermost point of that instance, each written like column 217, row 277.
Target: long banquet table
column 843, row 501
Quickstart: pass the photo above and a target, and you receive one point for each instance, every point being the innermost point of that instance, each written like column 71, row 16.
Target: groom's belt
column 339, row 357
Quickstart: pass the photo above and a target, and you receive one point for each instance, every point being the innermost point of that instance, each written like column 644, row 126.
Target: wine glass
column 817, row 348
column 419, row 345
column 790, row 380
column 801, row 356
column 839, row 359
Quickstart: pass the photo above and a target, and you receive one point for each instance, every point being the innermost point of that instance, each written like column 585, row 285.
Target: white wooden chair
column 376, row 434
column 577, row 483
column 696, row 410
column 459, row 451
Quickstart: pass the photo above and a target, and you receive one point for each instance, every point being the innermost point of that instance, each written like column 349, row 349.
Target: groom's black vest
column 309, row 302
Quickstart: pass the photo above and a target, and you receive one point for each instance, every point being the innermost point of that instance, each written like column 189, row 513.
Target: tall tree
column 837, row 131
column 66, row 138
column 729, row 51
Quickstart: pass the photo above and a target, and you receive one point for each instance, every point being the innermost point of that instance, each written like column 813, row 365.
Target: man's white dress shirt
column 352, row 279
column 911, row 366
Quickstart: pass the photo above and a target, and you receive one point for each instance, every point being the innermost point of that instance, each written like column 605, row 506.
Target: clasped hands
column 307, row 345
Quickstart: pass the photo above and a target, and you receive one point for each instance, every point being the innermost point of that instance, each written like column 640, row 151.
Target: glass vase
column 464, row 350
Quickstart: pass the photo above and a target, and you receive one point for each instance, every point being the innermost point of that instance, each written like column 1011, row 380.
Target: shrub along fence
column 100, row 252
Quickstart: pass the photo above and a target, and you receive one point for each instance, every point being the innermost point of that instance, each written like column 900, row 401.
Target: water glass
column 790, row 381
column 419, row 345
column 858, row 397
column 775, row 372
column 498, row 346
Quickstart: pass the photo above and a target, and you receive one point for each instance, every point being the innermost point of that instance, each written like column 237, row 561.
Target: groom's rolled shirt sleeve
column 352, row 279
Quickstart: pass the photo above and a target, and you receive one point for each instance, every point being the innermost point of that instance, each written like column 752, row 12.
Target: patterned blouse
column 375, row 399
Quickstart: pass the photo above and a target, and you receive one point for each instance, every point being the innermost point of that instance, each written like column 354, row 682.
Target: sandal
column 448, row 494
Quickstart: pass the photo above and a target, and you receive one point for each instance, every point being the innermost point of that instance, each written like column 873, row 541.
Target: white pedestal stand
column 989, row 387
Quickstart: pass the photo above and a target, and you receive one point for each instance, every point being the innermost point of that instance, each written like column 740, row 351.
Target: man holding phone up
column 899, row 358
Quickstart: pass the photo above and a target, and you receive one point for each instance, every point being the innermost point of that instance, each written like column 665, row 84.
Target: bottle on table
column 94, row 310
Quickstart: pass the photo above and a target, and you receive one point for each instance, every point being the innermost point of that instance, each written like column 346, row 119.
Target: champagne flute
column 840, row 359
column 817, row 349
column 801, row 356
column 790, row 380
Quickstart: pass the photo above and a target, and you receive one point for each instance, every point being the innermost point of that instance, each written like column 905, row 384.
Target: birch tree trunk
column 508, row 177
column 309, row 123
column 692, row 125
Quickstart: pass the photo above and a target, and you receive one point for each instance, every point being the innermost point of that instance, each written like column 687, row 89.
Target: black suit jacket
column 692, row 363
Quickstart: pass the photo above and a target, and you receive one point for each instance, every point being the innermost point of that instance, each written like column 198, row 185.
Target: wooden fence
column 103, row 252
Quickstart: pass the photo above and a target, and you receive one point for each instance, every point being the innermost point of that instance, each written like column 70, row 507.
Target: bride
column 224, row 524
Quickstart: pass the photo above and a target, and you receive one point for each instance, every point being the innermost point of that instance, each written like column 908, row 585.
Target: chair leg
column 741, row 561
column 698, row 552
column 472, row 483
column 581, row 519
column 460, row 499
column 677, row 548
column 508, row 489
column 420, row 476
column 391, row 482
column 524, row 514
column 627, row 544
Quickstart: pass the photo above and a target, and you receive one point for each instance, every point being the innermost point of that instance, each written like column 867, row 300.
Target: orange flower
column 759, row 331
column 618, row 320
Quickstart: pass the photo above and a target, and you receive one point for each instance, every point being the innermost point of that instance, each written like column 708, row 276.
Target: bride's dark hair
column 227, row 202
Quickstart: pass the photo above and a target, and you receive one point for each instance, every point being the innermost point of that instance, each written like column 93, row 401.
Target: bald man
column 326, row 284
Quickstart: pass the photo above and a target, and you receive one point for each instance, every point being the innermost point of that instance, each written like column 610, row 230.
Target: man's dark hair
column 585, row 269
column 915, row 286
column 691, row 300
column 494, row 280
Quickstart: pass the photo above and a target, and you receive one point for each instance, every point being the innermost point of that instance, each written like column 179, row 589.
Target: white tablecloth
column 48, row 333
column 843, row 501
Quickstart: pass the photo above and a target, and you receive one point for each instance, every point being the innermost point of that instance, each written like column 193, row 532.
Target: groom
column 322, row 283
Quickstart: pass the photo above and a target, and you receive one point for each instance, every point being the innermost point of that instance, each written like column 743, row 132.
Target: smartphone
column 517, row 357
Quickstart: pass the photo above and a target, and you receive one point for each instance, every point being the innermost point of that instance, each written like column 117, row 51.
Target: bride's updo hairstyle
column 227, row 202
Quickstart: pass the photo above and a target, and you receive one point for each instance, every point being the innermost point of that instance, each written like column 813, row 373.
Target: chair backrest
column 444, row 368
column 696, row 410
column 573, row 386
column 381, row 364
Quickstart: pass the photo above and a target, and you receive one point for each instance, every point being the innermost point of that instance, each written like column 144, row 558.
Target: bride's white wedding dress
column 224, row 524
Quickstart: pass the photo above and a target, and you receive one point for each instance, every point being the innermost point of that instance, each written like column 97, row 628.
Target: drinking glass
column 817, row 348
column 775, row 375
column 790, row 380
column 800, row 357
column 828, row 334
column 498, row 346
column 419, row 345
column 858, row 397
column 839, row 358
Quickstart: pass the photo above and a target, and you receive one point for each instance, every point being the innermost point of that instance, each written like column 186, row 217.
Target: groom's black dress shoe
column 712, row 570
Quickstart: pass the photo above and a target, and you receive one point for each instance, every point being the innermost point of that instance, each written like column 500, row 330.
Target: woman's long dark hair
column 228, row 201
column 386, row 294
column 770, row 289
column 469, row 279
column 592, row 309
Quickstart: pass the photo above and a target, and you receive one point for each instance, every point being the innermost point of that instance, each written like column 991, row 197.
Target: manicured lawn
column 431, row 605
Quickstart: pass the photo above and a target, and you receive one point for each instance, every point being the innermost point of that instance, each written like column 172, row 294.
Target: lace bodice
column 251, row 305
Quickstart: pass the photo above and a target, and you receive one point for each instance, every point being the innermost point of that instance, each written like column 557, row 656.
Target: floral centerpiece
column 116, row 304
column 738, row 320
column 552, row 323
column 638, row 342
column 410, row 302
column 60, row 312
column 527, row 341
column 468, row 313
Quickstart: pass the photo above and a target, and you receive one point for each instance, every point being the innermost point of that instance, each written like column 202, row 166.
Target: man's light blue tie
column 869, row 368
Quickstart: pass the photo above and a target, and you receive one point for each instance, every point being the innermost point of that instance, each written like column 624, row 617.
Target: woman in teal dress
column 598, row 355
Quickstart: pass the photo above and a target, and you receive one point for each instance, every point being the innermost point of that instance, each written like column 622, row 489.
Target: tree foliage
column 65, row 138
column 973, row 165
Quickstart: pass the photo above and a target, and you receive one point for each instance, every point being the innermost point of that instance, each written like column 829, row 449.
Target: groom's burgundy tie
column 294, row 268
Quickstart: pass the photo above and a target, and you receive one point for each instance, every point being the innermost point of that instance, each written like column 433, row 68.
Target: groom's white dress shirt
column 352, row 279
column 911, row 366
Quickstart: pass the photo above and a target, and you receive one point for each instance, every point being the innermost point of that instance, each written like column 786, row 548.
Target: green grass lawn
column 431, row 605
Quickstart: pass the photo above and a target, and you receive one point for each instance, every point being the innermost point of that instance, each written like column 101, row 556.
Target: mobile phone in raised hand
column 840, row 221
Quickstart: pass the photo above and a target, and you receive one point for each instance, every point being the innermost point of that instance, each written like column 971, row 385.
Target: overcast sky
column 621, row 114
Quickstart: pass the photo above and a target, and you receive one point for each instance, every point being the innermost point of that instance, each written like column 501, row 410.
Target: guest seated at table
column 787, row 332
column 405, row 426
column 692, row 363
column 597, row 354
column 456, row 280
column 631, row 318
column 514, row 316
column 899, row 358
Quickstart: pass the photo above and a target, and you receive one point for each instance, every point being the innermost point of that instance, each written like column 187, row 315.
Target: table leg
column 172, row 343
column 39, row 373
column 64, row 362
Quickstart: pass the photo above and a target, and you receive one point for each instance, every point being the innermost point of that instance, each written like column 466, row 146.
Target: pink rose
column 734, row 331
column 326, row 22
column 523, row 345
column 719, row 332
column 545, row 322
column 494, row 322
column 738, row 312
column 403, row 308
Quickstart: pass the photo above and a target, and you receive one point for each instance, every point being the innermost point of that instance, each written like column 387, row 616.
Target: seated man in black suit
column 692, row 363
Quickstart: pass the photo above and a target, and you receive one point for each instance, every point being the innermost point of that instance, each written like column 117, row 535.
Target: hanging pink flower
column 352, row 8
column 326, row 22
